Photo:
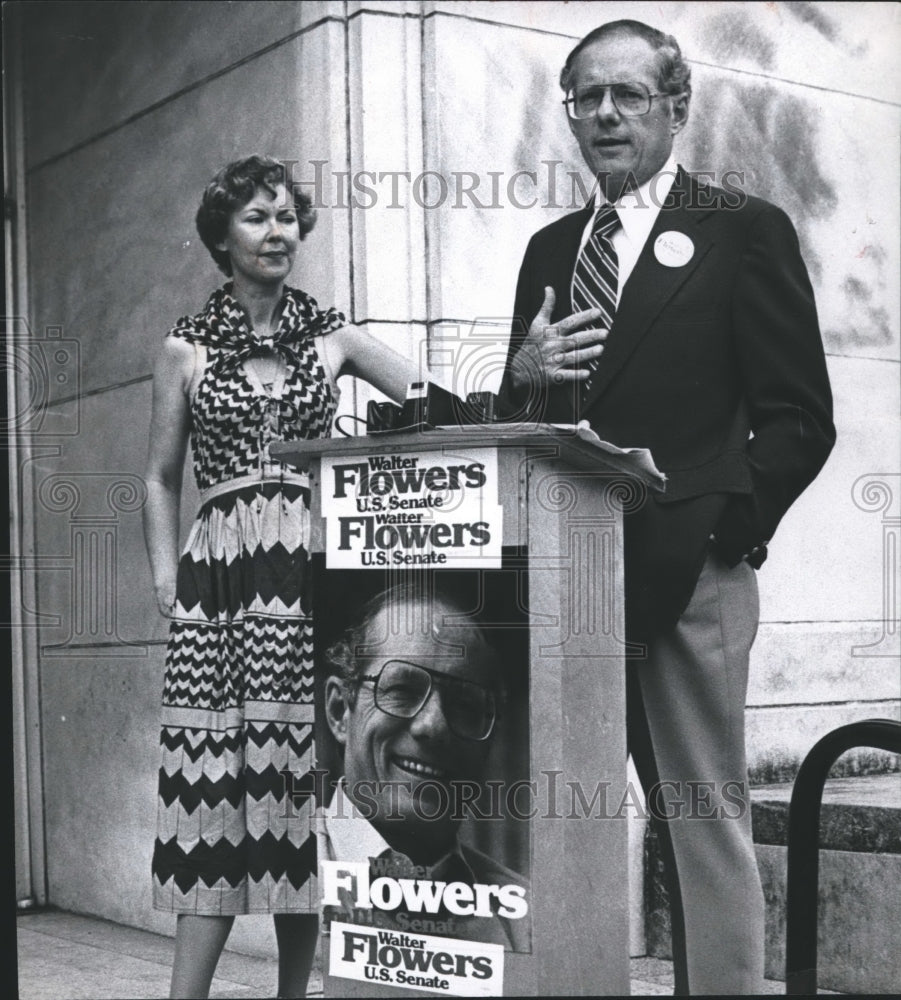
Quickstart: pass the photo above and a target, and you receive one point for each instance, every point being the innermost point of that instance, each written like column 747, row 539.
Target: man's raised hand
column 559, row 352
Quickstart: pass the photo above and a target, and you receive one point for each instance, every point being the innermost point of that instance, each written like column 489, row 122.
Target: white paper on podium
column 641, row 456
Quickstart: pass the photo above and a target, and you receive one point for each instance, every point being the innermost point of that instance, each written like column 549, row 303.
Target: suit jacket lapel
column 649, row 287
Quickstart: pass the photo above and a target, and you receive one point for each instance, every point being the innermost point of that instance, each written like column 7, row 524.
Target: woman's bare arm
column 170, row 425
column 353, row 351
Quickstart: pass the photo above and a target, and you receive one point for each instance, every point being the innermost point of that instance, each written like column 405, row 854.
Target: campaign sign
column 416, row 961
column 411, row 510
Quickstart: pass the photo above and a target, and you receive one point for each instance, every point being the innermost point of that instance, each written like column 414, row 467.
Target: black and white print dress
column 234, row 830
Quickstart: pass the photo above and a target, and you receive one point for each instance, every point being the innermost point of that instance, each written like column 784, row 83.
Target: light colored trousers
column 686, row 708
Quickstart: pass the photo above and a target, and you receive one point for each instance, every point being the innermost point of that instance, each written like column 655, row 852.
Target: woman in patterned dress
column 259, row 363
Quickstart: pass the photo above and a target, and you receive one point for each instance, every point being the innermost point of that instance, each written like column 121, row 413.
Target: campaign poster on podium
column 422, row 708
column 412, row 509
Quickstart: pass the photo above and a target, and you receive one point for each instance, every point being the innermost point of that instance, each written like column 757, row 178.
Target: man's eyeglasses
column 631, row 100
column 402, row 690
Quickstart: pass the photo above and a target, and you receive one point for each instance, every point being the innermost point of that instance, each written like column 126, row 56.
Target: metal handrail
column 804, row 839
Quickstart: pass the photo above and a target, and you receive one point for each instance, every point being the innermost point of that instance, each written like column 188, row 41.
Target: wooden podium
column 561, row 502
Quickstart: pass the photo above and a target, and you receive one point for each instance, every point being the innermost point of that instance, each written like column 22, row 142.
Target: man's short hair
column 347, row 658
column 673, row 72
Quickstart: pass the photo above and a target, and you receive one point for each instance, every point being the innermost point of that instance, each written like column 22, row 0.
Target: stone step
column 859, row 908
column 857, row 814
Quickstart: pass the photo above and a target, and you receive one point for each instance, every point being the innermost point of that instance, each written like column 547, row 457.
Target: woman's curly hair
column 232, row 188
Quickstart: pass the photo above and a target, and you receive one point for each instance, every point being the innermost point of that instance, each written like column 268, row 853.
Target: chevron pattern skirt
column 234, row 828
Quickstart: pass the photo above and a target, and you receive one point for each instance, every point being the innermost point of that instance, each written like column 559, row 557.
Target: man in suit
column 412, row 701
column 679, row 317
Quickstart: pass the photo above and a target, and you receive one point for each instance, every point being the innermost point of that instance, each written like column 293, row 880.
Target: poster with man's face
column 422, row 686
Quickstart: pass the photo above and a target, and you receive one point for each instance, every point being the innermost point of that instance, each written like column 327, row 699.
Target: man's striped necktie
column 596, row 275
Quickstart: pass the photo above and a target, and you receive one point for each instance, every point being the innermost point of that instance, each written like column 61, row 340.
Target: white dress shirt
column 345, row 835
column 637, row 213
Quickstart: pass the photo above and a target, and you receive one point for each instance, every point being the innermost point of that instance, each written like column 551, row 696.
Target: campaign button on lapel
column 673, row 249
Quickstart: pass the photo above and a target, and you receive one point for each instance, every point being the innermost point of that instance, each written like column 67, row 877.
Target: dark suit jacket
column 716, row 366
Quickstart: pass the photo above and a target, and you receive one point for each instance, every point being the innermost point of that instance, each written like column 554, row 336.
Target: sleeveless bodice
column 233, row 423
